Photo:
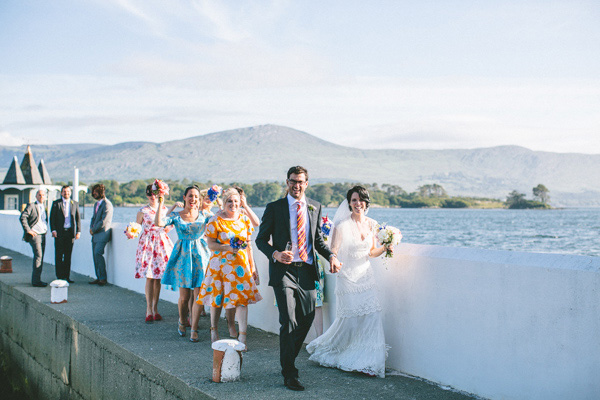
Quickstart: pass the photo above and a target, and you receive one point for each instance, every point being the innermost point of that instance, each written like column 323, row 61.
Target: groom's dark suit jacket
column 275, row 224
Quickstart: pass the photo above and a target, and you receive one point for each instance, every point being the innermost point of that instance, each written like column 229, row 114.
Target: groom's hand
column 335, row 265
column 284, row 257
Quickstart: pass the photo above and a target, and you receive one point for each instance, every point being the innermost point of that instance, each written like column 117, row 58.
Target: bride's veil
column 342, row 214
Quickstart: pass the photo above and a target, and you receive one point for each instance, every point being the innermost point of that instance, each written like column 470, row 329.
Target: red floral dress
column 154, row 247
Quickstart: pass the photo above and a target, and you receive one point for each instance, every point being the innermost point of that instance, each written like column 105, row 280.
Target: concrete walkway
column 118, row 315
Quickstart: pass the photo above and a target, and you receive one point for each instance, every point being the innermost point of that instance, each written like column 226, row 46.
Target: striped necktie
column 302, row 247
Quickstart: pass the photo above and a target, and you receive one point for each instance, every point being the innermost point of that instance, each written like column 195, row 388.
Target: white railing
column 503, row 325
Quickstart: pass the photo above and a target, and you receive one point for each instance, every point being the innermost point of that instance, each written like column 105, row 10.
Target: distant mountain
column 266, row 152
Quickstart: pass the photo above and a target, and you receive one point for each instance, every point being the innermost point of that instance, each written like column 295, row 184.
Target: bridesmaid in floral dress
column 190, row 254
column 152, row 255
column 229, row 281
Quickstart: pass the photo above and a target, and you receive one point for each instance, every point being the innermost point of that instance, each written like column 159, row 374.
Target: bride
column 355, row 341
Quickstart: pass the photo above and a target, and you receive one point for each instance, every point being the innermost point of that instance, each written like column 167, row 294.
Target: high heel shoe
column 243, row 340
column 214, row 334
column 157, row 317
column 196, row 339
column 149, row 319
column 180, row 329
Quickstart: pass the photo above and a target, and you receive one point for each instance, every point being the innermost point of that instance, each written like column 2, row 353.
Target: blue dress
column 190, row 255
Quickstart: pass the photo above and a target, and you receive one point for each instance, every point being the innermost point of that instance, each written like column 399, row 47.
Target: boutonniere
column 311, row 208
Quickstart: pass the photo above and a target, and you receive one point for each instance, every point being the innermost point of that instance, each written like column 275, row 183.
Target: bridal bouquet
column 132, row 230
column 214, row 191
column 388, row 235
column 326, row 226
column 238, row 243
column 160, row 188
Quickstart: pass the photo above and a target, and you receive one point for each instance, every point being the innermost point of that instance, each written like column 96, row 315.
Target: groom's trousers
column 296, row 298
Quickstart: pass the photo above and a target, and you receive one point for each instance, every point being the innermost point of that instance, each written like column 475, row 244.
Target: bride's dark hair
column 363, row 195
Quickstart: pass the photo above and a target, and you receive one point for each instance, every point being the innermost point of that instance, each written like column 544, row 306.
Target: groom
column 293, row 225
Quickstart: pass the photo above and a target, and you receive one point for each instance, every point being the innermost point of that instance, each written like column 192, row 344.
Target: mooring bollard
column 227, row 360
column 59, row 291
column 6, row 264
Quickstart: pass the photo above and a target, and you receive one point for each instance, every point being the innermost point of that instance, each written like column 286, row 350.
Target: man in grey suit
column 100, row 231
column 34, row 220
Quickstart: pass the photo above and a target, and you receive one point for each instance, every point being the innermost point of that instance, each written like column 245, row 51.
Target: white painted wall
column 503, row 325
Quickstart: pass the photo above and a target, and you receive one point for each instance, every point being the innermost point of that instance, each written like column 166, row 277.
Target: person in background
column 152, row 255
column 34, row 220
column 229, row 282
column 100, row 231
column 65, row 224
column 185, row 268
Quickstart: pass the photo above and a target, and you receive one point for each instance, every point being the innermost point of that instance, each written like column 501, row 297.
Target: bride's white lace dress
column 355, row 340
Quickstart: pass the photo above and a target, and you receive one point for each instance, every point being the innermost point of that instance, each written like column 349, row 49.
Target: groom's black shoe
column 293, row 384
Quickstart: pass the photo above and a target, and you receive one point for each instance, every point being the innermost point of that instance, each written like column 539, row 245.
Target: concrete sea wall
column 502, row 325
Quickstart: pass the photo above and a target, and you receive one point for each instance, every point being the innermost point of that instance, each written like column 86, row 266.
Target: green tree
column 540, row 193
column 515, row 198
column 433, row 190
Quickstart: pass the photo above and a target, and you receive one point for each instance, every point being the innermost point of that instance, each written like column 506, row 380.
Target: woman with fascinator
column 355, row 340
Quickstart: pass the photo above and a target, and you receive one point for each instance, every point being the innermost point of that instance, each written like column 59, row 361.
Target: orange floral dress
column 228, row 281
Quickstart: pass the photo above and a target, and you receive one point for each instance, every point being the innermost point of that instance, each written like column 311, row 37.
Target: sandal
column 243, row 341
column 180, row 330
column 214, row 334
column 194, row 340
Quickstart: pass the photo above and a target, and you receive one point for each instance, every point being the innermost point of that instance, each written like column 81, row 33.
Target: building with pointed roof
column 21, row 183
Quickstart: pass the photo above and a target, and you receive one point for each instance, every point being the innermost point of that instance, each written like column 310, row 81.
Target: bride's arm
column 375, row 250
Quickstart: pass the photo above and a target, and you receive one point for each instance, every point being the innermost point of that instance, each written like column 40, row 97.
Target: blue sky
column 380, row 74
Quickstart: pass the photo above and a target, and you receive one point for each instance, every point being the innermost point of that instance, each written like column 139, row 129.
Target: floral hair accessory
column 132, row 230
column 160, row 188
column 214, row 191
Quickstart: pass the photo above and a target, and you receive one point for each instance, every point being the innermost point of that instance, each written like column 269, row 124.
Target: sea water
column 564, row 231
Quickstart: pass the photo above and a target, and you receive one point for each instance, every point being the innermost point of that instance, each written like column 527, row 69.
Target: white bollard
column 227, row 360
column 59, row 291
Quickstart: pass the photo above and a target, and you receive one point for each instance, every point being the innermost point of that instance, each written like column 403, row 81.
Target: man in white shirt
column 34, row 220
column 290, row 235
column 65, row 223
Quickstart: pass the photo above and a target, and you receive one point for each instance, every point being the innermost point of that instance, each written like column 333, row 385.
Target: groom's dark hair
column 297, row 170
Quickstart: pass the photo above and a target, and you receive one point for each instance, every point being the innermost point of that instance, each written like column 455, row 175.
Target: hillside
column 265, row 153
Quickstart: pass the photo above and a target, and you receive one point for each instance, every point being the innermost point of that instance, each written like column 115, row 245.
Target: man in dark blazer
column 65, row 224
column 100, row 231
column 293, row 225
column 34, row 220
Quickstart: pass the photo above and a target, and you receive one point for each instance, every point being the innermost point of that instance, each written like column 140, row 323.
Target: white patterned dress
column 355, row 341
column 154, row 247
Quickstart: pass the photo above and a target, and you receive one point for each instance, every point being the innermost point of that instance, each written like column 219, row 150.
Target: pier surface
column 97, row 346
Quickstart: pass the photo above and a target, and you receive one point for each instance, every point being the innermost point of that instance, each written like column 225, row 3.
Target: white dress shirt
column 67, row 213
column 294, row 228
column 40, row 226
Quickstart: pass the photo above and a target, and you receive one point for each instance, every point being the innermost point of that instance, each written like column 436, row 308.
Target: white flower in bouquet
column 133, row 230
column 388, row 235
